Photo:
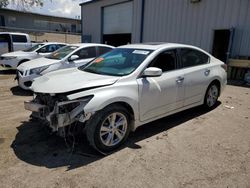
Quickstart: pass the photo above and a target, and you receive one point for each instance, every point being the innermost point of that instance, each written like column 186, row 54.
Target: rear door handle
column 179, row 79
column 207, row 72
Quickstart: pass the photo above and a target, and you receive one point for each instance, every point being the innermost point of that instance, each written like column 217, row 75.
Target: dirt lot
column 194, row 148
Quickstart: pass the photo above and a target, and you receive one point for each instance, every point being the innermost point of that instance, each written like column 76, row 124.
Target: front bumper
column 10, row 64
column 58, row 118
column 24, row 80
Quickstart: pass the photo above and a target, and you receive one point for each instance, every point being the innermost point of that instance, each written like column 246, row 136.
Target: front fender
column 105, row 96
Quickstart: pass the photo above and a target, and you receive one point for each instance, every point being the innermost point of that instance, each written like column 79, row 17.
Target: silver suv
column 126, row 88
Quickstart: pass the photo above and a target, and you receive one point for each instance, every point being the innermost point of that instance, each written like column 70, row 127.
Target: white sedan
column 126, row 88
column 73, row 55
column 13, row 59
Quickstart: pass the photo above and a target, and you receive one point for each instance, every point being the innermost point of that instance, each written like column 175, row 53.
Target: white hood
column 35, row 63
column 66, row 80
column 17, row 54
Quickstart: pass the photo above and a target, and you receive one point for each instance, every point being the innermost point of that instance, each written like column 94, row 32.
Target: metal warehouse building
column 217, row 26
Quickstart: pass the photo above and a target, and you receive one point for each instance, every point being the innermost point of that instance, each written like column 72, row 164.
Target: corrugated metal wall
column 194, row 23
column 180, row 21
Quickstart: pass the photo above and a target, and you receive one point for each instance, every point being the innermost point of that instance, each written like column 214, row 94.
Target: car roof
column 52, row 43
column 156, row 45
column 14, row 33
column 90, row 44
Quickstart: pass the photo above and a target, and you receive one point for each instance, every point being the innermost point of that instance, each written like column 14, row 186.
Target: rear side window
column 86, row 53
column 103, row 50
column 191, row 57
column 19, row 38
column 166, row 61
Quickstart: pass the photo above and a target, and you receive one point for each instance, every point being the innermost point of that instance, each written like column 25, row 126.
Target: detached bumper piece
column 63, row 114
column 34, row 107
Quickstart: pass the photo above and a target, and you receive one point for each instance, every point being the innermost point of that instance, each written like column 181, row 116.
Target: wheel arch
column 128, row 105
column 22, row 61
column 217, row 82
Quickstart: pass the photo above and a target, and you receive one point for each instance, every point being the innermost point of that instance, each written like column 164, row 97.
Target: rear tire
column 212, row 95
column 108, row 128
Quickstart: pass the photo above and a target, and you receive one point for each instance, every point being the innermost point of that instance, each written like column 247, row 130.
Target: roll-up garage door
column 118, row 18
column 117, row 23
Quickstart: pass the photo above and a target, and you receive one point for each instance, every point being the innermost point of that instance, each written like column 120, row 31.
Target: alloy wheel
column 113, row 129
column 212, row 95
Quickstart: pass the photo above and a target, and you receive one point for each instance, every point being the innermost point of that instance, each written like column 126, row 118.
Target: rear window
column 19, row 38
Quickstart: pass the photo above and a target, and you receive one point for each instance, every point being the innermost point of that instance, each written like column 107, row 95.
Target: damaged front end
column 57, row 110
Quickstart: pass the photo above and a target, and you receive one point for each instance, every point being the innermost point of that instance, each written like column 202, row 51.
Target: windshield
column 118, row 62
column 31, row 49
column 62, row 52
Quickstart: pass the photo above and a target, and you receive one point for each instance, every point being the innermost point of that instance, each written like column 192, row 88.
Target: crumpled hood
column 17, row 54
column 71, row 79
column 35, row 63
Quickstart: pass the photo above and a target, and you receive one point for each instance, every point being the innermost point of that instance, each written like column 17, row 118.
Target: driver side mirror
column 73, row 57
column 152, row 72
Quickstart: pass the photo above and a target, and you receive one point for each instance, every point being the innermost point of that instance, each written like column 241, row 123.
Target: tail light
column 224, row 66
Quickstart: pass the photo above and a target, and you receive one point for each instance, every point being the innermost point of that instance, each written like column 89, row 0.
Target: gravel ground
column 194, row 148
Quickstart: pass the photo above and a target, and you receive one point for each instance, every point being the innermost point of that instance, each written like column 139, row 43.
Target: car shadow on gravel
column 5, row 72
column 35, row 145
column 16, row 90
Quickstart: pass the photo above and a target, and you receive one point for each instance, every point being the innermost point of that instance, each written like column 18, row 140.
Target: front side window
column 166, row 61
column 62, row 52
column 191, row 57
column 48, row 48
column 118, row 62
column 86, row 53
column 60, row 46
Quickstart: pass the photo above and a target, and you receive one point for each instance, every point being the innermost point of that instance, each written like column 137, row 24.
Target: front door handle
column 207, row 72
column 179, row 79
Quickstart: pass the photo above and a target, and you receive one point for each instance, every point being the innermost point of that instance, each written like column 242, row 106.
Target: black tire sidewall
column 94, row 126
column 205, row 99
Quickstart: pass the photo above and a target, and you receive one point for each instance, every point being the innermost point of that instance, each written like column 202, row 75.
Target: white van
column 10, row 42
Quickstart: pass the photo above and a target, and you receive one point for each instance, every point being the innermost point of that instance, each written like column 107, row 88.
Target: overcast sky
column 63, row 8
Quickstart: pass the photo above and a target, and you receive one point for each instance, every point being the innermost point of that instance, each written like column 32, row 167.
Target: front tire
column 212, row 95
column 108, row 128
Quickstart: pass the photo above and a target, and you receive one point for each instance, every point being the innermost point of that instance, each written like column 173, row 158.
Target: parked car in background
column 13, row 59
column 126, row 88
column 74, row 55
column 10, row 42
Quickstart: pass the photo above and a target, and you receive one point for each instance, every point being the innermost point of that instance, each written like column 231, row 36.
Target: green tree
column 21, row 4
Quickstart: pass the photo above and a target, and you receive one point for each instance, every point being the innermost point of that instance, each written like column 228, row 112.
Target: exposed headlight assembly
column 38, row 70
column 67, row 106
